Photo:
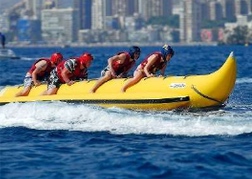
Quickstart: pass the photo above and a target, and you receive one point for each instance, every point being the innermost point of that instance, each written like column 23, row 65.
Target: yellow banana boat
column 155, row 93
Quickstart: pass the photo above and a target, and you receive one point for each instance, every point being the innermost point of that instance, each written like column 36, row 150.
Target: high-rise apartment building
column 123, row 8
column 98, row 14
column 84, row 8
column 242, row 7
column 33, row 8
column 228, row 9
column 60, row 25
column 205, row 10
column 28, row 30
column 155, row 8
column 190, row 21
column 215, row 11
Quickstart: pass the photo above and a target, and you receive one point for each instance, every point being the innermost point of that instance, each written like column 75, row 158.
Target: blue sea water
column 59, row 140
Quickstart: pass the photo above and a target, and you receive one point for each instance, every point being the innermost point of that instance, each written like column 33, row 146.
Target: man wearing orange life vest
column 118, row 66
column 39, row 72
column 156, row 61
column 68, row 71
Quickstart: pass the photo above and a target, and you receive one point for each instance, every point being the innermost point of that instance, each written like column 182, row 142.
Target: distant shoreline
column 147, row 44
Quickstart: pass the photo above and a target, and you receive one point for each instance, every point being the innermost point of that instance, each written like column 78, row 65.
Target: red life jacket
column 158, row 64
column 77, row 73
column 44, row 73
column 125, row 66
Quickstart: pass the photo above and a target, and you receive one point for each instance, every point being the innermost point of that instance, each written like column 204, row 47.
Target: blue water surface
column 60, row 140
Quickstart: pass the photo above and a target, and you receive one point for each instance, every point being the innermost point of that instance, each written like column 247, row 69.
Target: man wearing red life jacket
column 118, row 66
column 39, row 72
column 155, row 62
column 68, row 72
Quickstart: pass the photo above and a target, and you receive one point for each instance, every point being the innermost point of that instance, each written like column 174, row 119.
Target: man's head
column 134, row 52
column 167, row 51
column 56, row 58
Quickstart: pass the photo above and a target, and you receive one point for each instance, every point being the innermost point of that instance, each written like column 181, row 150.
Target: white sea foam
column 28, row 58
column 243, row 80
column 72, row 117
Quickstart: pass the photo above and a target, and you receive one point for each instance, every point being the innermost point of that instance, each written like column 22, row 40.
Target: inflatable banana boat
column 155, row 93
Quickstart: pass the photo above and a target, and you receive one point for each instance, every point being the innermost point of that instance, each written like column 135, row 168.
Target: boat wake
column 28, row 59
column 243, row 80
column 232, row 120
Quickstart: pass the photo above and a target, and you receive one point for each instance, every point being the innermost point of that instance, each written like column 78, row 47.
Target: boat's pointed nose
column 231, row 54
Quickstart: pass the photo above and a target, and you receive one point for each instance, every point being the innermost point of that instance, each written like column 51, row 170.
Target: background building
column 190, row 21
column 60, row 25
column 103, row 21
column 29, row 30
column 84, row 8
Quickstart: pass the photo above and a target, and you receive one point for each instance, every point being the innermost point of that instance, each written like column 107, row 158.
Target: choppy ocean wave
column 234, row 120
column 243, row 80
column 28, row 59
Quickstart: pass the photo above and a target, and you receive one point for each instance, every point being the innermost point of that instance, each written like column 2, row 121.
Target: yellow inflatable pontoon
column 155, row 93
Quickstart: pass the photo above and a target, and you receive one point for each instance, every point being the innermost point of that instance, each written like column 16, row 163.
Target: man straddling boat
column 68, row 72
column 156, row 61
column 118, row 66
column 39, row 72
column 2, row 38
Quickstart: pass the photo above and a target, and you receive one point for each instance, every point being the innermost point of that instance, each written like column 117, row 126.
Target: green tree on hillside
column 172, row 21
column 240, row 36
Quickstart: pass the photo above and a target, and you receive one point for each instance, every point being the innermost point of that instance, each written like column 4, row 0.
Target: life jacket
column 158, row 64
column 125, row 66
column 73, row 65
column 43, row 74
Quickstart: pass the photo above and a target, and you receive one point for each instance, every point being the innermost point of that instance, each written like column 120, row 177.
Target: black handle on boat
column 205, row 96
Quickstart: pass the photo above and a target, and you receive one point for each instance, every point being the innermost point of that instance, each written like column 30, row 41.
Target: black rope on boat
column 91, row 80
column 205, row 96
column 145, row 78
column 128, row 77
